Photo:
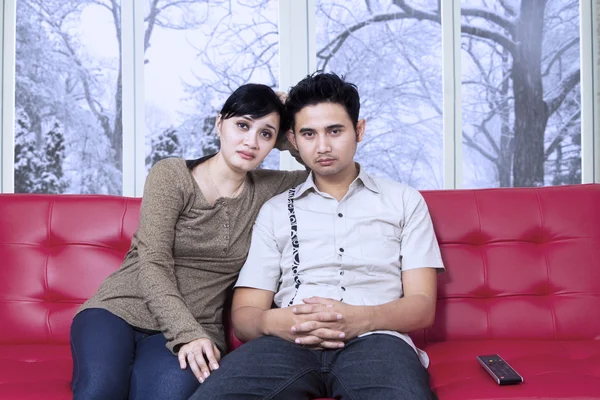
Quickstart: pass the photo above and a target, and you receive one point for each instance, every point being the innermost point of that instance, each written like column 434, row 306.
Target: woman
column 154, row 329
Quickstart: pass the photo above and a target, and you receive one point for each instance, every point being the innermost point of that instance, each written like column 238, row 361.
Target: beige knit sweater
column 186, row 253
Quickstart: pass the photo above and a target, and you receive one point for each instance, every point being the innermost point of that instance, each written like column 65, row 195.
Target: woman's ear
column 218, row 124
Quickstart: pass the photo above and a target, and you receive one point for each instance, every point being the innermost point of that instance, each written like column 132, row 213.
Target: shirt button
column 341, row 272
column 226, row 236
column 340, row 215
column 225, row 225
column 341, row 249
column 224, row 250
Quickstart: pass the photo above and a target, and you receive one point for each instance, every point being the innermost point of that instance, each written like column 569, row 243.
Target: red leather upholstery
column 54, row 252
column 522, row 280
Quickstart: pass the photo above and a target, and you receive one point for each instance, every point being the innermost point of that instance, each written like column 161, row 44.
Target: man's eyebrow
column 334, row 126
column 306, row 130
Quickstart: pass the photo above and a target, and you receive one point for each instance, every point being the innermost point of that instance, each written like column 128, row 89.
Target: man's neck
column 336, row 185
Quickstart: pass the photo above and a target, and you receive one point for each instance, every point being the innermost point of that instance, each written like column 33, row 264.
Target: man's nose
column 323, row 145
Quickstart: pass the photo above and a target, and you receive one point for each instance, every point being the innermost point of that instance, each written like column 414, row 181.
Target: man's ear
column 292, row 138
column 360, row 129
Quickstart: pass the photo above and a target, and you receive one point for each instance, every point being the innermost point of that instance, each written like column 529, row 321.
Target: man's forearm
column 403, row 315
column 251, row 322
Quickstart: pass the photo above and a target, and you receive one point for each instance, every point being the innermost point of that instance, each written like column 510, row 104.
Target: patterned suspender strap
column 294, row 237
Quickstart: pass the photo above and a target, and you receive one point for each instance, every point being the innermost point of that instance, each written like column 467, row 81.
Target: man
column 350, row 261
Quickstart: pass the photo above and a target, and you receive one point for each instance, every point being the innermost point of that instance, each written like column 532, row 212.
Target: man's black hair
column 256, row 101
column 323, row 87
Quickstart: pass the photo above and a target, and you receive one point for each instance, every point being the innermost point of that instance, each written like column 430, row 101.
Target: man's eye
column 307, row 134
column 336, row 131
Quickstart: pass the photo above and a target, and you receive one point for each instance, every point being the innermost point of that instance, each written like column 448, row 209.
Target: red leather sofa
column 522, row 280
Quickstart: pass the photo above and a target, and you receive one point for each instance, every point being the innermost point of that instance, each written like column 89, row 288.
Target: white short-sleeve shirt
column 353, row 250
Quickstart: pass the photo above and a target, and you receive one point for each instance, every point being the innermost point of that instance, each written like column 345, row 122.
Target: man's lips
column 246, row 155
column 325, row 161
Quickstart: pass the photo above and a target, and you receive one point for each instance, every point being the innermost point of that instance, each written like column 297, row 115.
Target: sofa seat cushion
column 35, row 371
column 552, row 369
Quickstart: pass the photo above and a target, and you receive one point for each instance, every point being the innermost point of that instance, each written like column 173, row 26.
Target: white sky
column 170, row 59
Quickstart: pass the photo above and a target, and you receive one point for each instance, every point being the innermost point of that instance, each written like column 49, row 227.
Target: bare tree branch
column 562, row 133
column 508, row 8
column 471, row 143
column 559, row 53
column 502, row 40
column 564, row 88
column 466, row 28
column 490, row 16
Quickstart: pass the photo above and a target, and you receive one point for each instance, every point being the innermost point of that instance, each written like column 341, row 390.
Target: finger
column 308, row 340
column 306, row 309
column 328, row 344
column 217, row 352
column 194, row 367
column 319, row 300
column 210, row 356
column 181, row 356
column 330, row 316
column 328, row 334
column 202, row 365
column 306, row 327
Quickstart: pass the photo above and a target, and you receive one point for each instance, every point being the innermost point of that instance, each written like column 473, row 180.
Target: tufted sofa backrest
column 521, row 263
column 54, row 252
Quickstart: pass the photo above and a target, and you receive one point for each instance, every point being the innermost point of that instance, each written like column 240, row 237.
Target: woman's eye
column 242, row 125
column 267, row 135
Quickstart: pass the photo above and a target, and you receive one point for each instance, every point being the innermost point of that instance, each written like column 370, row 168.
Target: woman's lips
column 246, row 156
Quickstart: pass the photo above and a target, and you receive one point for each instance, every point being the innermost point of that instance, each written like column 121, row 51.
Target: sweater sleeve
column 274, row 182
column 162, row 204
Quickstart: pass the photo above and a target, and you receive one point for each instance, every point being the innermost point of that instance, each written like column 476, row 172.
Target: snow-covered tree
column 53, row 178
column 166, row 144
column 29, row 164
column 58, row 78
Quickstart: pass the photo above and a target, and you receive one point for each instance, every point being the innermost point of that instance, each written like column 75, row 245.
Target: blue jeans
column 113, row 360
column 372, row 367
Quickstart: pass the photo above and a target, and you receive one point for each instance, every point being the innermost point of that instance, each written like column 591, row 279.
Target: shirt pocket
column 379, row 241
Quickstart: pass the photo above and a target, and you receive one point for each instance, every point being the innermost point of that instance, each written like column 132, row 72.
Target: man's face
column 325, row 138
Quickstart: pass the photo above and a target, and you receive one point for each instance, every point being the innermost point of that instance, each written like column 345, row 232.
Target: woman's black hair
column 256, row 101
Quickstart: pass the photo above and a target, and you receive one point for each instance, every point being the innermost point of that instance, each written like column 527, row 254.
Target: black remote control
column 499, row 369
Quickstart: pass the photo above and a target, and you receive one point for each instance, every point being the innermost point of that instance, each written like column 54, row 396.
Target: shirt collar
column 363, row 177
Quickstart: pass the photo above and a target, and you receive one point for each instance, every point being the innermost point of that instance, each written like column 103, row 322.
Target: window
column 521, row 96
column 506, row 99
column 379, row 46
column 68, row 130
column 196, row 55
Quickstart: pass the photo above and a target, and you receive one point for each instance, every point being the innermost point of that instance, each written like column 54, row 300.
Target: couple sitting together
column 330, row 274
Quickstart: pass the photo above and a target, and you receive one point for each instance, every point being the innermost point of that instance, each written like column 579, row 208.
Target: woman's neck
column 223, row 174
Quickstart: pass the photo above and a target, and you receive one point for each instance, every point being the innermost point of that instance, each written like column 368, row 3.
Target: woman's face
column 245, row 142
